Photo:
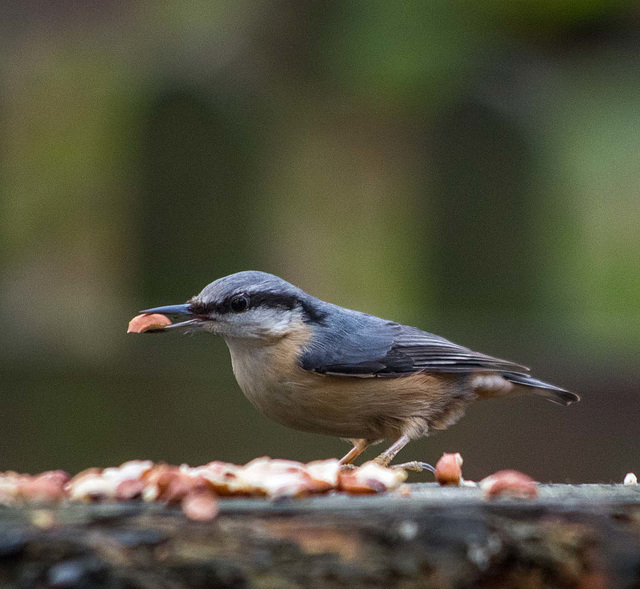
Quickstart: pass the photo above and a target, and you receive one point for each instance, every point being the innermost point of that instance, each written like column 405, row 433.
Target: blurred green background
column 472, row 168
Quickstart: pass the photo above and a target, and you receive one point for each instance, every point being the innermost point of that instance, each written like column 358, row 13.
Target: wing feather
column 365, row 346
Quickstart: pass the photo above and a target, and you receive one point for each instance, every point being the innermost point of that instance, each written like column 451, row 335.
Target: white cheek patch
column 261, row 322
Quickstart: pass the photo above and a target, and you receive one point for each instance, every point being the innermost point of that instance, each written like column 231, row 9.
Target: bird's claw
column 414, row 466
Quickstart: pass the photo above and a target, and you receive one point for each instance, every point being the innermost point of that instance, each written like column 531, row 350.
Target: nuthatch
column 321, row 368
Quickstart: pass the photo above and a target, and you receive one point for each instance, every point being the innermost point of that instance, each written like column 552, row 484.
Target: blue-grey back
column 352, row 343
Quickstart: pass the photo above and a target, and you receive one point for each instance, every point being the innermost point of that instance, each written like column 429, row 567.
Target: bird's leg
column 390, row 453
column 359, row 446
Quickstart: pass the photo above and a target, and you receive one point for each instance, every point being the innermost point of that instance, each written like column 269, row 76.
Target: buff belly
column 346, row 407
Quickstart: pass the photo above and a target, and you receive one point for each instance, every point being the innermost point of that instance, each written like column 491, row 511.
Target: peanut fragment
column 148, row 322
column 509, row 483
column 448, row 470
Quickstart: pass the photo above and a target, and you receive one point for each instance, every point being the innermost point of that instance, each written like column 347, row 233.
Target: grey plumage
column 355, row 343
column 320, row 367
column 365, row 345
column 543, row 389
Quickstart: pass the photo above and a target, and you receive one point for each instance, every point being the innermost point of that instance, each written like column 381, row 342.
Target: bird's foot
column 348, row 467
column 414, row 466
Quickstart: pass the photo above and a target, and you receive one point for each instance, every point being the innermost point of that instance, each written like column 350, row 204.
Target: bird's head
column 245, row 305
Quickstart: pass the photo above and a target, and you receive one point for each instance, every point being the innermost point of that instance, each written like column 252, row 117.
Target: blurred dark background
column 472, row 168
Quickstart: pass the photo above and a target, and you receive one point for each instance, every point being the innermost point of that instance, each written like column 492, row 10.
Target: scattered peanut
column 509, row 483
column 200, row 506
column 371, row 478
column 449, row 469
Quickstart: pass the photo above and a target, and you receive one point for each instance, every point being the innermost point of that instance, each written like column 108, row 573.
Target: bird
column 318, row 367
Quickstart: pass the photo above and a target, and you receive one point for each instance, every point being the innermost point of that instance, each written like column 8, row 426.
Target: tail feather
column 543, row 389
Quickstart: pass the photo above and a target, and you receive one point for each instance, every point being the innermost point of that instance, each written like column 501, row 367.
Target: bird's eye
column 239, row 303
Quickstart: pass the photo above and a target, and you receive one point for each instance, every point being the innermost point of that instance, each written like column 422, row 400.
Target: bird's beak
column 181, row 311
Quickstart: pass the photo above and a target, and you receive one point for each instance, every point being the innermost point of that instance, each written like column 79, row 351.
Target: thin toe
column 415, row 466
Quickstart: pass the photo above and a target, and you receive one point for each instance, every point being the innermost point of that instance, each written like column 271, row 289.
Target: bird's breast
column 270, row 375
column 272, row 379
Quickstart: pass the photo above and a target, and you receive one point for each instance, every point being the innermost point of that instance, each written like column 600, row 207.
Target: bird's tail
column 542, row 389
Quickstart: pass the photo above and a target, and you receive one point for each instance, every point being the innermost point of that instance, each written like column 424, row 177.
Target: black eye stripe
column 198, row 308
column 273, row 300
column 268, row 300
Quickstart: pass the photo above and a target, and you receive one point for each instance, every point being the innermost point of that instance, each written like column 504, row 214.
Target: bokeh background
column 472, row 168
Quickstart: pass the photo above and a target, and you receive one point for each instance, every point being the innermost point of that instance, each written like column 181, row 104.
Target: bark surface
column 585, row 537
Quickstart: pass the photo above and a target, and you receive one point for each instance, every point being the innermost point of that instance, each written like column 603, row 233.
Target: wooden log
column 585, row 537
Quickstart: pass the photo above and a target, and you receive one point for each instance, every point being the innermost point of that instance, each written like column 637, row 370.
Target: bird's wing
column 366, row 346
